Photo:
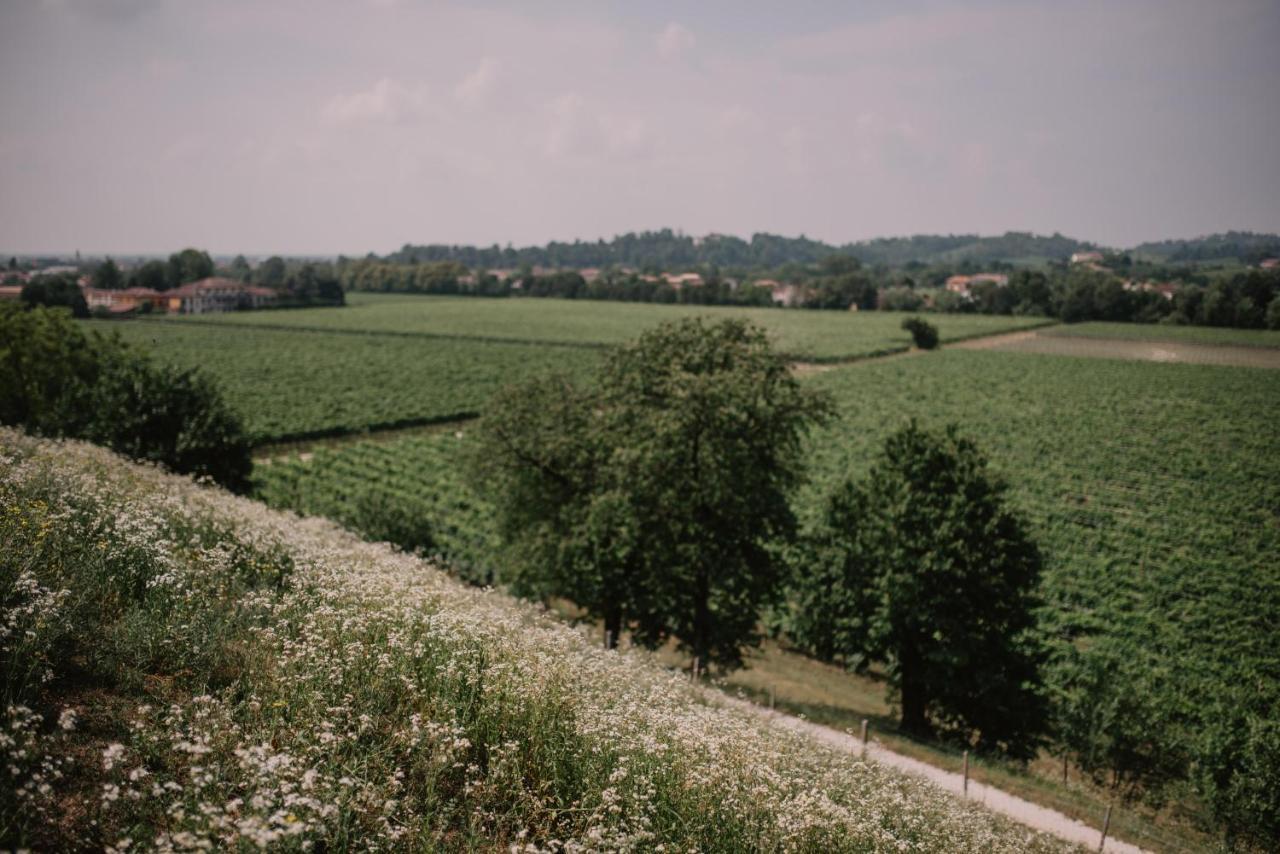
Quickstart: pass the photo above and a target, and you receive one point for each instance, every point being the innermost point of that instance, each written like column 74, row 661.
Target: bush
column 923, row 333
column 57, row 381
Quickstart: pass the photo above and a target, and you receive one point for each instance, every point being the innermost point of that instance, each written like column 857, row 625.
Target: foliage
column 189, row 265
column 60, row 290
column 923, row 567
column 923, row 333
column 193, row 671
column 108, row 276
column 657, row 499
column 58, row 381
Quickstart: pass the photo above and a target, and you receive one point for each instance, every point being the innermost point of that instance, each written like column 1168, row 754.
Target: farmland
column 1153, row 490
column 1209, row 335
column 811, row 335
column 294, row 384
column 1114, row 462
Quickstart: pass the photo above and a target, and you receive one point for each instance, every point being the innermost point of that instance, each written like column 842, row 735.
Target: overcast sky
column 346, row 127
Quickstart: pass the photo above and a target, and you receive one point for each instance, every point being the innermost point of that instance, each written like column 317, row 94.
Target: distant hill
column 1245, row 246
column 667, row 249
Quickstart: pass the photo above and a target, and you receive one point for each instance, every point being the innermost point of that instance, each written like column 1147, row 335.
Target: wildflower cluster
column 276, row 682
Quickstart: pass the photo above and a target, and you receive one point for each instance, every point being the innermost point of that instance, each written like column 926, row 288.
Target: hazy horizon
column 142, row 126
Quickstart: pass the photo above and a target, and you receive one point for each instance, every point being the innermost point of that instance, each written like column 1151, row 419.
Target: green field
column 1165, row 332
column 815, row 335
column 1153, row 489
column 422, row 475
column 295, row 384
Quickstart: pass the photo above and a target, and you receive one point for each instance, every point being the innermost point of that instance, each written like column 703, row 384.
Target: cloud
column 675, row 40
column 387, row 102
column 476, row 86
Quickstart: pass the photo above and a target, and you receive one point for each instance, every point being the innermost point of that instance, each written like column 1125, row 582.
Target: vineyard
column 293, row 384
column 810, row 335
column 1153, row 489
column 1164, row 332
column 411, row 492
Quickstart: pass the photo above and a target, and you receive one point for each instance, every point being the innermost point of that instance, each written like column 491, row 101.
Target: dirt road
column 1023, row 811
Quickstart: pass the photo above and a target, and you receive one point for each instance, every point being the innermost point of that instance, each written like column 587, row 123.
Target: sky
column 318, row 127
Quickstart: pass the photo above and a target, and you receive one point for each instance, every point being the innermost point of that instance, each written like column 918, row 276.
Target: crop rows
column 815, row 335
column 421, row 475
column 1153, row 490
column 294, row 384
column 1210, row 335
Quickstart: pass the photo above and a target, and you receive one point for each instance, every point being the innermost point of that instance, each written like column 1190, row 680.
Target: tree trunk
column 914, row 719
column 702, row 619
column 612, row 624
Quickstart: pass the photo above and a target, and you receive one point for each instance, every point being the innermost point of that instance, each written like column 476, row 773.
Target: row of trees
column 666, row 249
column 658, row 499
column 56, row 380
column 298, row 283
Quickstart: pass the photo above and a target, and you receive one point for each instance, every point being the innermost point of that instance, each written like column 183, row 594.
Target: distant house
column 589, row 274
column 1165, row 289
column 1086, row 258
column 10, row 292
column 782, row 293
column 959, row 285
column 1269, row 263
column 683, row 280
column 216, row 294
column 997, row 279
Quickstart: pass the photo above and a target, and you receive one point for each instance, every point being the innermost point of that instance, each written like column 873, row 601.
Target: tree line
column 1248, row 299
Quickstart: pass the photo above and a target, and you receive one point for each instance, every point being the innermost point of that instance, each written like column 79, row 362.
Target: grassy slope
column 807, row 334
column 288, row 384
column 224, row 675
column 1175, row 334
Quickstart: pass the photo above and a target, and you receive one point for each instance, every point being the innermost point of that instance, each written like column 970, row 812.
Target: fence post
column 696, row 663
column 1106, row 825
column 608, row 639
column 966, row 773
column 773, row 696
column 864, row 738
column 1064, row 769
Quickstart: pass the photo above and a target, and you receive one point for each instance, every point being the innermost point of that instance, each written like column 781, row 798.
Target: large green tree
column 189, row 265
column 658, row 497
column 923, row 568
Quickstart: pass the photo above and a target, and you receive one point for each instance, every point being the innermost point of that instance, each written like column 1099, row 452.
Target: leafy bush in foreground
column 183, row 669
column 55, row 380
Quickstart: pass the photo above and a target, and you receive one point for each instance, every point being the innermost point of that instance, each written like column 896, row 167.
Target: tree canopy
column 922, row 568
column 657, row 499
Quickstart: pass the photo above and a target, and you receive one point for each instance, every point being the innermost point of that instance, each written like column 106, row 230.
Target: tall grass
column 183, row 669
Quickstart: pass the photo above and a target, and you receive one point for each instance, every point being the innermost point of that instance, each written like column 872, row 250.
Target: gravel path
column 1032, row 815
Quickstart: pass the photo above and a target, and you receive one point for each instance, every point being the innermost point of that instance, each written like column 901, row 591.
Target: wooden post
column 1064, row 769
column 608, row 639
column 696, row 662
column 966, row 773
column 864, row 737
column 773, row 696
column 1106, row 825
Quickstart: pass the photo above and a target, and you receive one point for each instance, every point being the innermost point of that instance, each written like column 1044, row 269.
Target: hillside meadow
column 188, row 670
